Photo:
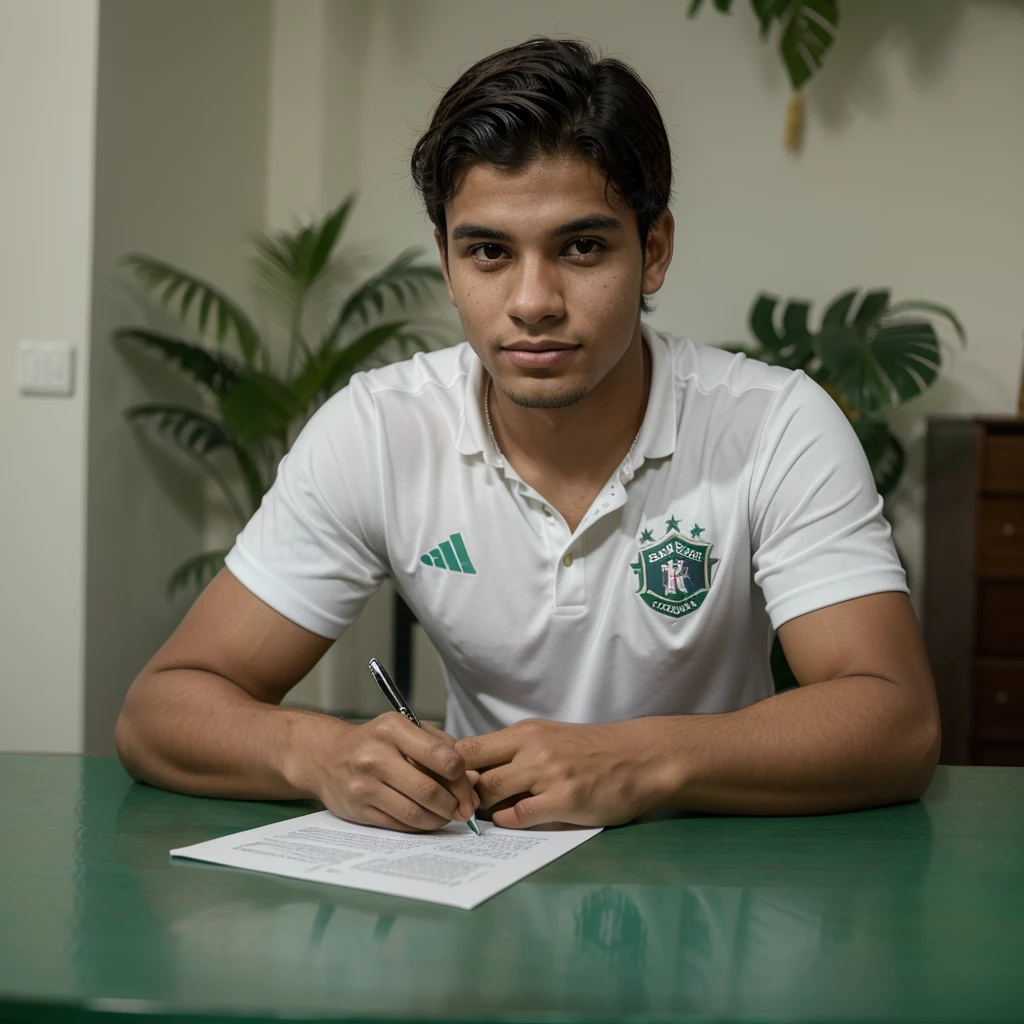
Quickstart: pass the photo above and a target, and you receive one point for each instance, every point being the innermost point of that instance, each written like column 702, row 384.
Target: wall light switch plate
column 46, row 368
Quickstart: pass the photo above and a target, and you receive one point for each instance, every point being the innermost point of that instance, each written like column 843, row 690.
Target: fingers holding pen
column 394, row 774
column 435, row 752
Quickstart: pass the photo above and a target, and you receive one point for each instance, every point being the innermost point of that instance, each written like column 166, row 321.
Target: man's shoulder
column 708, row 368
column 442, row 370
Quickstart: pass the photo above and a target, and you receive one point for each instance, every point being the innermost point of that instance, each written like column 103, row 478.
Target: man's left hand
column 556, row 772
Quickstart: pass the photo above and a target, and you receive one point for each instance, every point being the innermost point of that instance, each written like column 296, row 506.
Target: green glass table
column 912, row 913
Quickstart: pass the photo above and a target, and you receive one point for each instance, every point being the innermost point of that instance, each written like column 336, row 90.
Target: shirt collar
column 658, row 432
column 657, row 437
column 473, row 437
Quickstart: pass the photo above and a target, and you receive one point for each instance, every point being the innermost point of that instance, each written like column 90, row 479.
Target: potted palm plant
column 254, row 398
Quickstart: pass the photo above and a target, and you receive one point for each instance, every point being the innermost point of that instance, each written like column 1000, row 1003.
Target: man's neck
column 581, row 443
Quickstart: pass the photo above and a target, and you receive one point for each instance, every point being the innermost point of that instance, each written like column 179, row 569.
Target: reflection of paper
column 451, row 866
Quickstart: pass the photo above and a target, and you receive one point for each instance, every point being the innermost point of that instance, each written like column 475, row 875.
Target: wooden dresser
column 974, row 585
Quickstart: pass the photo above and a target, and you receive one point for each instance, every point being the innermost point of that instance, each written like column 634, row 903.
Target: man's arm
column 203, row 717
column 861, row 730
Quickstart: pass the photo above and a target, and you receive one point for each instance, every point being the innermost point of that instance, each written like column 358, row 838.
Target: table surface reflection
column 912, row 913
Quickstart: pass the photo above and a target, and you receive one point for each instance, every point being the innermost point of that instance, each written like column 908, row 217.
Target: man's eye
column 488, row 253
column 584, row 247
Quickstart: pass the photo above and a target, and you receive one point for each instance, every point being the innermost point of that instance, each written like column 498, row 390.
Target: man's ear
column 442, row 251
column 658, row 253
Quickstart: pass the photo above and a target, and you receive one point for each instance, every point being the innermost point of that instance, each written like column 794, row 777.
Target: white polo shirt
column 746, row 501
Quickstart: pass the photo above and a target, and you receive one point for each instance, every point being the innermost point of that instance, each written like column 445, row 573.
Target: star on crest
column 672, row 524
column 646, row 536
column 696, row 531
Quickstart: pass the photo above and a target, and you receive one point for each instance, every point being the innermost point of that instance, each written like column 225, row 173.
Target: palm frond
column 260, row 408
column 216, row 371
column 197, row 436
column 326, row 372
column 178, row 290
column 290, row 263
column 188, row 428
column 196, row 572
column 331, row 229
column 402, row 279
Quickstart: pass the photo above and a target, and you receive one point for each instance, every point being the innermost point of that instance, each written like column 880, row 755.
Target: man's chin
column 543, row 394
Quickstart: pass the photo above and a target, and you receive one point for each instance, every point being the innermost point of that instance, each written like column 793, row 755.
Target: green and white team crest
column 674, row 573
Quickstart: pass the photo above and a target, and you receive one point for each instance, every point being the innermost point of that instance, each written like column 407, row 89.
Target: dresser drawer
column 1002, row 470
column 999, row 700
column 1000, row 623
column 1001, row 538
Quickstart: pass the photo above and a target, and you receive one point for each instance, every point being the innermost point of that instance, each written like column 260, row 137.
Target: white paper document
column 451, row 866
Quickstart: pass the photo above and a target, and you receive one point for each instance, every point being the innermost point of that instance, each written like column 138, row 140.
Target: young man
column 598, row 526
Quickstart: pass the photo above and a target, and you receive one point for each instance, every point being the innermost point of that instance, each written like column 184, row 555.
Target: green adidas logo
column 450, row 554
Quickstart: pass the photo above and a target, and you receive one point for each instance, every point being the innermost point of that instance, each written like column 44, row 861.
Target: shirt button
column 567, row 561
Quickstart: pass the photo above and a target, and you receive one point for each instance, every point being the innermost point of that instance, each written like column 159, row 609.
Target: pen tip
column 473, row 825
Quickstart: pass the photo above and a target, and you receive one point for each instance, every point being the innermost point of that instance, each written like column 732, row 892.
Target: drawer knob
column 1009, row 529
column 1002, row 697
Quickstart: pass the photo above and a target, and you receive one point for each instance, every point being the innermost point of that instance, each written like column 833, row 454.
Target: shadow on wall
column 853, row 79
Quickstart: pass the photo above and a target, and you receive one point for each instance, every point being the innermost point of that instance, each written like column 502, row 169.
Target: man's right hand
column 205, row 717
column 392, row 774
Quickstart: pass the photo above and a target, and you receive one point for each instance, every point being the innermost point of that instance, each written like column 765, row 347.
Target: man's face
column 546, row 271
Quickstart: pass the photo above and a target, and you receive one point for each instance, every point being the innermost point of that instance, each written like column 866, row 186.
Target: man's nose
column 536, row 291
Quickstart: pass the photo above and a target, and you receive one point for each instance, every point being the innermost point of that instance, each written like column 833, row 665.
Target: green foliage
column 808, row 30
column 178, row 291
column 253, row 409
column 870, row 356
column 215, row 371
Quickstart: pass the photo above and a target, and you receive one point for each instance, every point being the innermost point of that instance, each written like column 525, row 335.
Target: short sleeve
column 818, row 535
column 314, row 550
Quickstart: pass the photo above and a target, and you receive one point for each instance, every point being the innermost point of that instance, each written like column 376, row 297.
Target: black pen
column 397, row 701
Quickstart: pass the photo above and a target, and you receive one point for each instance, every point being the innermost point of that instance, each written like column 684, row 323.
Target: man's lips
column 539, row 354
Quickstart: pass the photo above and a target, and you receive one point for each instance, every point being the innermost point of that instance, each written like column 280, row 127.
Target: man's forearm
column 198, row 733
column 831, row 746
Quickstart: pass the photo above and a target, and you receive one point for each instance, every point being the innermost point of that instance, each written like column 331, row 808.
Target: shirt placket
column 568, row 551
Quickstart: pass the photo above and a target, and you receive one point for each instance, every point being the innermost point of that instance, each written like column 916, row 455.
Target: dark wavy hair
column 548, row 97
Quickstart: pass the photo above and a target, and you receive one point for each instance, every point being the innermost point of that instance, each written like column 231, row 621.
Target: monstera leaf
column 869, row 354
column 880, row 357
column 808, row 31
column 793, row 347
column 808, row 36
column 884, row 452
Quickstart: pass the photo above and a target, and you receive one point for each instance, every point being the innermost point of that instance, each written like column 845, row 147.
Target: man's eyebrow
column 572, row 227
column 478, row 231
column 592, row 223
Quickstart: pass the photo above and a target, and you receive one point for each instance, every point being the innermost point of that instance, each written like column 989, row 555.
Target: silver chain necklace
column 494, row 440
